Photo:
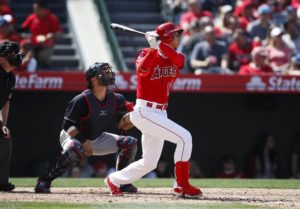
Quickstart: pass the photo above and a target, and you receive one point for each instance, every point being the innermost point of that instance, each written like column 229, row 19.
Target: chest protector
column 100, row 114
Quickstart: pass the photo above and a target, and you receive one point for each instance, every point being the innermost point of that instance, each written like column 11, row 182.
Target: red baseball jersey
column 156, row 72
column 42, row 26
column 251, row 69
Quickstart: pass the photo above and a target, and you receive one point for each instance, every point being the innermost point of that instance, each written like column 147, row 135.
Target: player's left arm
column 175, row 57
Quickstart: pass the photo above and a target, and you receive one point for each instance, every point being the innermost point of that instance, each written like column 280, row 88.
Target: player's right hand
column 87, row 146
column 6, row 132
column 152, row 38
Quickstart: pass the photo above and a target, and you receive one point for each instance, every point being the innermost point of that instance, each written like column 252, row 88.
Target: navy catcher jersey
column 92, row 116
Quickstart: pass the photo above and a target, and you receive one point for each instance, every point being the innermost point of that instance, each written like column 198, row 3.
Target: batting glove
column 152, row 38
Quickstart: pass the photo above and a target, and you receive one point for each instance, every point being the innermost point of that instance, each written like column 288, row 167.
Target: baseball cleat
column 128, row 188
column 114, row 190
column 7, row 187
column 42, row 187
column 187, row 192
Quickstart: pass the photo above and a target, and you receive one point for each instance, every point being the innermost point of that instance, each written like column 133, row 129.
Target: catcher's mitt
column 125, row 123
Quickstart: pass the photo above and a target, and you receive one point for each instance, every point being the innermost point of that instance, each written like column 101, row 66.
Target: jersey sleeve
column 175, row 57
column 144, row 59
column 27, row 22
column 77, row 108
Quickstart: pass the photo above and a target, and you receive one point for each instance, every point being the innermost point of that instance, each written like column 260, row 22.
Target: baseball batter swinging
column 157, row 68
column 86, row 120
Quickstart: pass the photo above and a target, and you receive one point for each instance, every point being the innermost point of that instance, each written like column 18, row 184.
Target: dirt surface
column 278, row 198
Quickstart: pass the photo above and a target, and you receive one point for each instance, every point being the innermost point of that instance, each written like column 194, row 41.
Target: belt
column 157, row 106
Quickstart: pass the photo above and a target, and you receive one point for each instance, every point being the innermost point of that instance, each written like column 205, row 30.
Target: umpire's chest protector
column 100, row 114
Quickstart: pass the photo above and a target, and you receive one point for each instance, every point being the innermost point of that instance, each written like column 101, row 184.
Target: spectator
column 246, row 14
column 163, row 169
column 260, row 27
column 172, row 9
column 226, row 23
column 239, row 50
column 29, row 62
column 187, row 44
column 280, row 11
column 295, row 3
column 258, row 65
column 4, row 8
column 195, row 171
column 86, row 170
column 75, row 172
column 45, row 29
column 7, row 30
column 242, row 5
column 294, row 69
column 292, row 36
column 209, row 56
column 264, row 161
column 295, row 159
column 228, row 168
column 194, row 12
column 278, row 53
column 82, row 170
column 214, row 5
column 100, row 170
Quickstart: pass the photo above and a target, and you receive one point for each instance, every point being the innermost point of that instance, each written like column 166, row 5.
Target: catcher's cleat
column 128, row 188
column 114, row 190
column 42, row 187
column 188, row 191
column 7, row 187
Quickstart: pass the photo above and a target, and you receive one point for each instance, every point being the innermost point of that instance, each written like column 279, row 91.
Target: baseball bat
column 123, row 28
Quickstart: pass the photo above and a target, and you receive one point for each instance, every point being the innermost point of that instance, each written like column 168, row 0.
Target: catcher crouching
column 85, row 122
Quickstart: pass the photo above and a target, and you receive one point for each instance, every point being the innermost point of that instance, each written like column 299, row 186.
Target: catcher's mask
column 11, row 52
column 103, row 73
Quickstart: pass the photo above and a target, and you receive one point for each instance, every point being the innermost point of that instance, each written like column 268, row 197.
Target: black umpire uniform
column 10, row 58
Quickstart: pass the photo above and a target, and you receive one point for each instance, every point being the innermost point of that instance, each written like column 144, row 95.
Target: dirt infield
column 279, row 198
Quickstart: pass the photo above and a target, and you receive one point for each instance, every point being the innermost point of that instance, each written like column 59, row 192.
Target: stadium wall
column 220, row 124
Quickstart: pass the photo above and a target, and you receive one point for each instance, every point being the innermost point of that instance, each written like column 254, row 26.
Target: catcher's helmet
column 166, row 31
column 103, row 73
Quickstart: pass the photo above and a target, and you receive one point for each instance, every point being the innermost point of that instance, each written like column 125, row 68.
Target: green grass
column 46, row 205
column 203, row 183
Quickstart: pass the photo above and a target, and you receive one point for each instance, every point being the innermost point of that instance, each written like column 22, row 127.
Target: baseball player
column 10, row 58
column 86, row 120
column 157, row 68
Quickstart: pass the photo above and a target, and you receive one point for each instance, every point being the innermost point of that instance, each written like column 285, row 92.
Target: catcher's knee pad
column 74, row 152
column 127, row 147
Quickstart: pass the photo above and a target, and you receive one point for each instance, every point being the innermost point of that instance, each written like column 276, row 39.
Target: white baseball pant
column 155, row 127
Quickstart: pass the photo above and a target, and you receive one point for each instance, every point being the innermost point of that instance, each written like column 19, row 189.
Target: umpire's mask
column 11, row 51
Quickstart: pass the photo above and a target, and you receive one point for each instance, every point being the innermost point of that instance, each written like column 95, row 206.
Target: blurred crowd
column 36, row 35
column 262, row 161
column 238, row 37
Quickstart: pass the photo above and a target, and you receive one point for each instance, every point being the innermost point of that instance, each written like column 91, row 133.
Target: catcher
column 85, row 123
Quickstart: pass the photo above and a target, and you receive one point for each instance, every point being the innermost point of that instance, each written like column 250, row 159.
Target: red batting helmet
column 166, row 31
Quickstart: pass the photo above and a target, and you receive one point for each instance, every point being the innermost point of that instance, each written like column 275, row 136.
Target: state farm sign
column 274, row 84
column 34, row 81
column 127, row 82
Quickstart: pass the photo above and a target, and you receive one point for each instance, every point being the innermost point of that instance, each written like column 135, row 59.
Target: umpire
column 9, row 59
